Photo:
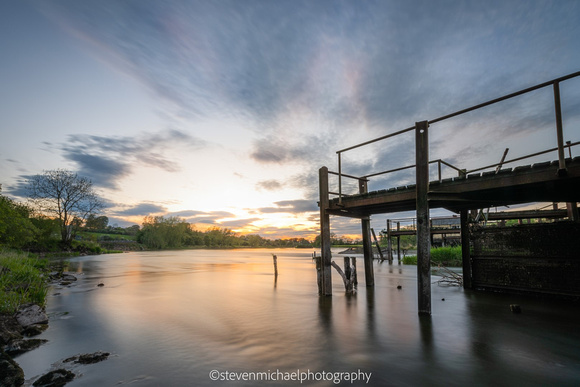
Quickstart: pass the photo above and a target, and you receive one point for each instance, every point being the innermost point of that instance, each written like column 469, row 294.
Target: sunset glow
column 221, row 113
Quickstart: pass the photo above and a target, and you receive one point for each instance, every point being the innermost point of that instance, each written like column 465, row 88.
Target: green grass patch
column 21, row 280
column 445, row 256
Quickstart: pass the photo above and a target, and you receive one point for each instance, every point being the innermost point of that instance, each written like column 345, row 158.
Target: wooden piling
column 346, row 275
column 377, row 244
column 275, row 259
column 367, row 243
column 326, row 274
column 423, row 229
column 465, row 249
column 399, row 243
column 389, row 242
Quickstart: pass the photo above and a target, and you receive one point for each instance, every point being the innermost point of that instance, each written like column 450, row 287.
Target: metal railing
column 555, row 83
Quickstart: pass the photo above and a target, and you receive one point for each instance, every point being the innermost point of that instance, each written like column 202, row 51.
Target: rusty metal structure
column 550, row 181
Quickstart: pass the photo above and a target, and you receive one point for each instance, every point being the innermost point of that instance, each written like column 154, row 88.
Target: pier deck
column 524, row 184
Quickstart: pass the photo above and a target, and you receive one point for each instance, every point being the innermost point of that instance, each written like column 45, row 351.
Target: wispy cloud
column 141, row 209
column 290, row 206
column 106, row 160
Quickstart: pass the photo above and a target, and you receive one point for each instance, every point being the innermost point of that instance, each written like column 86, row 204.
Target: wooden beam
column 423, row 229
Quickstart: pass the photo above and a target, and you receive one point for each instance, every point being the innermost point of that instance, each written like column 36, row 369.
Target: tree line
column 61, row 205
column 158, row 232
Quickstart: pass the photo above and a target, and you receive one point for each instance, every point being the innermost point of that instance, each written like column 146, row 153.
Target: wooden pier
column 490, row 186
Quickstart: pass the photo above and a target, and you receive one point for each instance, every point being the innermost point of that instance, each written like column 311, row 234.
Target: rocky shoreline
column 17, row 337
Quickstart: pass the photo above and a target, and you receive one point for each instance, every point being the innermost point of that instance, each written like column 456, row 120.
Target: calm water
column 170, row 318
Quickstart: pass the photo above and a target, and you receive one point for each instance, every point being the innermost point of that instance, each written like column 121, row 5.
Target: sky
column 222, row 112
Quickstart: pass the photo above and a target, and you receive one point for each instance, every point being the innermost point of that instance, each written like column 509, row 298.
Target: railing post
column 339, row 178
column 559, row 130
column 423, row 229
column 325, row 286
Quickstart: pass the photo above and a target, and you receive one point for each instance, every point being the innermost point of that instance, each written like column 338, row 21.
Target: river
column 171, row 318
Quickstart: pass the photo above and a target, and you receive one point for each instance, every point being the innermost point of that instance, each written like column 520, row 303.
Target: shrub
column 446, row 256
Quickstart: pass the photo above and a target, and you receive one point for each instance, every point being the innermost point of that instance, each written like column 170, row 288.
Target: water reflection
column 172, row 317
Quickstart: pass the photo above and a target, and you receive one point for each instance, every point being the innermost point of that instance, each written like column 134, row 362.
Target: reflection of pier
column 489, row 186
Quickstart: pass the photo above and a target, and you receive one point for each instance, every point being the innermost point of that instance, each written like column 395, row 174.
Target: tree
column 95, row 223
column 16, row 229
column 163, row 233
column 64, row 195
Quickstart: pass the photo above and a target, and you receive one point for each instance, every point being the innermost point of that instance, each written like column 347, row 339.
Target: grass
column 446, row 256
column 21, row 281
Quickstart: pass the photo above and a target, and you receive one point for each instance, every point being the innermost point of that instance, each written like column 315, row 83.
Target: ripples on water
column 172, row 317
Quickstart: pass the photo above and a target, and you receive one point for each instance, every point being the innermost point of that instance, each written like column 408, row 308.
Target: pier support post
column 423, row 228
column 367, row 242
column 325, row 286
column 465, row 251
column 389, row 243
column 399, row 243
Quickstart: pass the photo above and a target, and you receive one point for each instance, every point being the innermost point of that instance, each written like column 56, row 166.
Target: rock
column 68, row 277
column 34, row 329
column 30, row 314
column 9, row 329
column 101, row 284
column 18, row 347
column 399, row 287
column 55, row 378
column 91, row 358
column 515, row 308
column 11, row 375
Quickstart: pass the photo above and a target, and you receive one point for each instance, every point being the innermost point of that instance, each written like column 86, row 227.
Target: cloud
column 106, row 160
column 142, row 209
column 269, row 185
column 290, row 206
column 238, row 223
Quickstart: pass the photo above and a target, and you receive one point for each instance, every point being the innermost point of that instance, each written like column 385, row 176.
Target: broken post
column 354, row 277
column 423, row 229
column 377, row 244
column 347, row 277
column 275, row 259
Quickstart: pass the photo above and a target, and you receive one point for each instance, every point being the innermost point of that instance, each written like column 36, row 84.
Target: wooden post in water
column 377, row 244
column 354, row 275
column 325, row 288
column 399, row 243
column 389, row 242
column 275, row 259
column 367, row 243
column 465, row 249
column 423, row 229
